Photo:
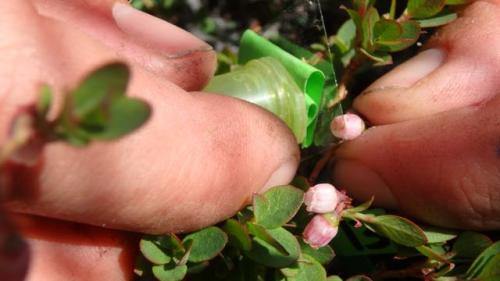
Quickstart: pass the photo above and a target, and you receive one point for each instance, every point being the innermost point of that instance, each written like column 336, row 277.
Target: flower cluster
column 327, row 202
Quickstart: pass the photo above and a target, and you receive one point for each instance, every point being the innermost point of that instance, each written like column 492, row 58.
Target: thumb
column 197, row 161
column 434, row 153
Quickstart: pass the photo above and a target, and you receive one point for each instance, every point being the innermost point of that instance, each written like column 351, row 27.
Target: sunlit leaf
column 277, row 205
column 399, row 230
column 152, row 251
column 206, row 243
column 323, row 255
column 125, row 115
column 438, row 235
column 105, row 83
column 306, row 269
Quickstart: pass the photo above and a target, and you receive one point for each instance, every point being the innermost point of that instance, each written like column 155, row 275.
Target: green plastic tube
column 267, row 83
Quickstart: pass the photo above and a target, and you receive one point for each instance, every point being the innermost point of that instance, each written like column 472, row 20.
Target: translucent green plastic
column 266, row 82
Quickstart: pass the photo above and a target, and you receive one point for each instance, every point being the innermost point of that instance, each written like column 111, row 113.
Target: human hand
column 197, row 161
column 434, row 152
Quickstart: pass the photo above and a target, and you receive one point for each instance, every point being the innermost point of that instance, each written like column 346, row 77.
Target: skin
column 154, row 180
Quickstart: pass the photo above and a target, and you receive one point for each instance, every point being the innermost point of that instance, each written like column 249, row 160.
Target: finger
column 70, row 251
column 156, row 45
column 460, row 68
column 198, row 160
column 442, row 169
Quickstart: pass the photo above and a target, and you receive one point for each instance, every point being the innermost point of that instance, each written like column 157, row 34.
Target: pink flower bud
column 321, row 198
column 321, row 230
column 348, row 126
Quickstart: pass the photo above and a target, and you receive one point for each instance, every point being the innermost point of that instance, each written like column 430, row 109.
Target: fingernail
column 362, row 183
column 156, row 33
column 410, row 72
column 281, row 176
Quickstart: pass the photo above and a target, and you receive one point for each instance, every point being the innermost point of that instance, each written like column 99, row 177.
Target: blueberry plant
column 296, row 232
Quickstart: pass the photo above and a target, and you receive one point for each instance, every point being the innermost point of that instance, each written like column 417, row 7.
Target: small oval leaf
column 206, row 243
column 169, row 272
column 399, row 230
column 125, row 115
column 438, row 235
column 310, row 270
column 277, row 206
column 152, row 251
column 238, row 235
column 105, row 83
column 323, row 255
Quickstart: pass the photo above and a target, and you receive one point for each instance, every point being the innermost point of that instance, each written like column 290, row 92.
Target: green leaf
column 368, row 23
column 440, row 19
column 261, row 233
column 333, row 278
column 105, row 83
column 238, row 235
column 277, row 206
column 323, row 255
column 152, row 251
column 345, row 36
column 410, row 32
column 482, row 261
column 431, row 254
column 470, row 244
column 206, row 243
column 438, row 235
column 125, row 115
column 44, row 101
column 356, row 19
column 170, row 272
column 399, row 230
column 424, row 8
column 491, row 271
column 309, row 270
column 266, row 254
column 386, row 31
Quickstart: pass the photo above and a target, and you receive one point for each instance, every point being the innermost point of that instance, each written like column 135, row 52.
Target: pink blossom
column 348, row 126
column 321, row 230
column 321, row 198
